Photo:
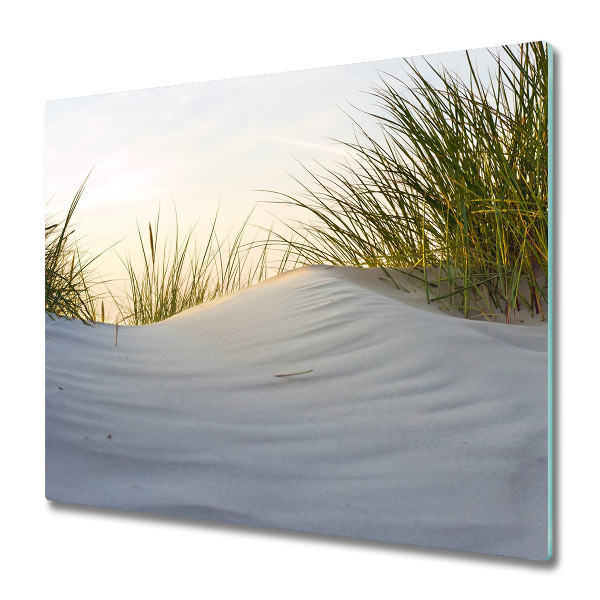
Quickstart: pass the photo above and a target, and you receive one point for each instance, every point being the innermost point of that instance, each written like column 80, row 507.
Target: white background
column 61, row 49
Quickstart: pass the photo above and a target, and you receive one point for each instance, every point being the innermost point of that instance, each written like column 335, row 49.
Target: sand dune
column 413, row 426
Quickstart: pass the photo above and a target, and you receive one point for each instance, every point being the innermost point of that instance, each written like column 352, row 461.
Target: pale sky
column 204, row 144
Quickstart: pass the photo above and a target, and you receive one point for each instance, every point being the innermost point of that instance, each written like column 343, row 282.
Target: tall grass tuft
column 70, row 282
column 177, row 275
column 455, row 189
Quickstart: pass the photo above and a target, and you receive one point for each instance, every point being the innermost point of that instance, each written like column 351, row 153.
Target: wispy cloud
column 323, row 147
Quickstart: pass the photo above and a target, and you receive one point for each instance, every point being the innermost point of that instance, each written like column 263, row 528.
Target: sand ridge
column 413, row 426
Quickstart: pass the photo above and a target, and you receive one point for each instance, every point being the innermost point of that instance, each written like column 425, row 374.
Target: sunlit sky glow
column 204, row 145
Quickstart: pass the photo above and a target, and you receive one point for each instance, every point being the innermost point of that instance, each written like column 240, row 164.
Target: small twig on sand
column 292, row 374
column 116, row 333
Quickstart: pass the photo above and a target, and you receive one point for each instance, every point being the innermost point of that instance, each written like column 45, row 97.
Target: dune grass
column 173, row 275
column 176, row 274
column 456, row 187
column 454, row 192
column 70, row 277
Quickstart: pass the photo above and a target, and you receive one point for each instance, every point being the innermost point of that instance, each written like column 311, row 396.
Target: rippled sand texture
column 413, row 426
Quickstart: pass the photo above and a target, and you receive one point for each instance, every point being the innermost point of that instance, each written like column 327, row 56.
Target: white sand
column 414, row 426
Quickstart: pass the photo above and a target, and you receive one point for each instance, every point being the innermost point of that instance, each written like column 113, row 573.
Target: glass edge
column 550, row 301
